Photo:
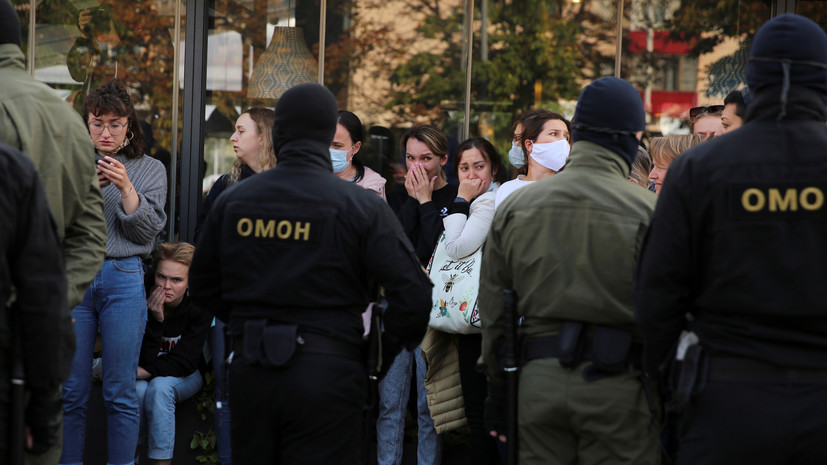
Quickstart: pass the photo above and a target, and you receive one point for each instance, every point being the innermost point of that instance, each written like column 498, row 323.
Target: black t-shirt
column 423, row 223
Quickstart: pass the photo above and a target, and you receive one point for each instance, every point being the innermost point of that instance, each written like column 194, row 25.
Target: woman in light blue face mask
column 346, row 144
column 516, row 156
column 545, row 142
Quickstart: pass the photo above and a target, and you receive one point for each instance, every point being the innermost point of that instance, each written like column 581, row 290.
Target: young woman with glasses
column 134, row 188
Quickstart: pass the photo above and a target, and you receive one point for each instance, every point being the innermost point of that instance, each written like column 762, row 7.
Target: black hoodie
column 174, row 347
column 737, row 238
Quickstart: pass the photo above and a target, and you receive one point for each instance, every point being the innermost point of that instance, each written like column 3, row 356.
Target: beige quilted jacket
column 442, row 380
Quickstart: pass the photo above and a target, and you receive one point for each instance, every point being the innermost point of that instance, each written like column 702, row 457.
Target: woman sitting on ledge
column 171, row 351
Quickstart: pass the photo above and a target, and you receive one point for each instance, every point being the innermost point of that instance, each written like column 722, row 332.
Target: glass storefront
column 687, row 54
column 536, row 54
column 470, row 67
column 75, row 45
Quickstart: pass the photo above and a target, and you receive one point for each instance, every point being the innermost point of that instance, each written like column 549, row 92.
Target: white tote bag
column 456, row 286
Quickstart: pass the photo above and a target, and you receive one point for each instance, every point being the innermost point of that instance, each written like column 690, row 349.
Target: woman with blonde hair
column 253, row 146
column 641, row 167
column 253, row 143
column 665, row 150
column 171, row 351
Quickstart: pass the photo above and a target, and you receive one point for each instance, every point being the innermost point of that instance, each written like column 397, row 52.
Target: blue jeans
column 394, row 390
column 115, row 302
column 222, row 398
column 157, row 398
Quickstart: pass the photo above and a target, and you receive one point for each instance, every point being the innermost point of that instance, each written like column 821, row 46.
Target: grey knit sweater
column 135, row 234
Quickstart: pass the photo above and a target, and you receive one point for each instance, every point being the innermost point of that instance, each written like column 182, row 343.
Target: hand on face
column 470, row 189
column 155, row 303
column 417, row 183
column 111, row 170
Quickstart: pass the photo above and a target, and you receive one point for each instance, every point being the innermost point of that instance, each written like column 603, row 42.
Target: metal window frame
column 195, row 96
column 779, row 7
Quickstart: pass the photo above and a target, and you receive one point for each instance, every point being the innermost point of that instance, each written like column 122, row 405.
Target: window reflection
column 130, row 41
column 79, row 44
column 539, row 55
column 396, row 64
column 239, row 31
column 684, row 54
column 813, row 9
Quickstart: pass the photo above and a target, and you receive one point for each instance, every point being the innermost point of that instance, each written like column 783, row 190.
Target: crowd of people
column 650, row 324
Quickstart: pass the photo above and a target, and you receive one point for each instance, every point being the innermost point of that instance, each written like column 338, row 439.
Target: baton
column 17, row 405
column 511, row 368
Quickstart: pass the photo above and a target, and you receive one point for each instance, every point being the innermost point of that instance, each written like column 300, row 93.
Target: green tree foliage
column 531, row 42
column 428, row 78
column 530, row 46
column 711, row 21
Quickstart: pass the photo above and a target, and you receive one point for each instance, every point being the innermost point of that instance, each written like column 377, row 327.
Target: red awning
column 663, row 43
column 671, row 103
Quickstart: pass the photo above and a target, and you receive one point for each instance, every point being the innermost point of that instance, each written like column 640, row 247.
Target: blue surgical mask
column 339, row 159
column 516, row 156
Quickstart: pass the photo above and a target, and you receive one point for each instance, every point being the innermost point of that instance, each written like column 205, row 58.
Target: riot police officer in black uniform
column 290, row 259
column 35, row 325
column 739, row 241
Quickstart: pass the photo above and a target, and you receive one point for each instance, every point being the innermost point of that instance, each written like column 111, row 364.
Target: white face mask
column 516, row 156
column 552, row 155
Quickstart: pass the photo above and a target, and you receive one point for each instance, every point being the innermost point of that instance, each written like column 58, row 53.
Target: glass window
column 256, row 49
column 536, row 54
column 813, row 9
column 683, row 54
column 396, row 64
column 400, row 62
column 79, row 44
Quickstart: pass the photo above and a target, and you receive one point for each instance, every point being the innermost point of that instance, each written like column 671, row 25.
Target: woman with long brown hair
column 545, row 139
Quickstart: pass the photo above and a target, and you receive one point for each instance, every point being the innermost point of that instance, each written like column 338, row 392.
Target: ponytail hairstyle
column 354, row 127
column 263, row 117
